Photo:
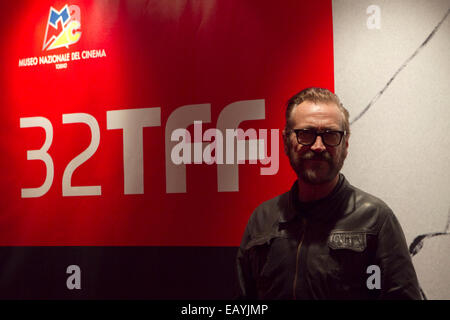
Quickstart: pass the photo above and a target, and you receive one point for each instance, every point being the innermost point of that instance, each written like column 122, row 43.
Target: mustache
column 317, row 156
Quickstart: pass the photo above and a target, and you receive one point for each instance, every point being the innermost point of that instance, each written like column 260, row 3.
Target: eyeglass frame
column 319, row 133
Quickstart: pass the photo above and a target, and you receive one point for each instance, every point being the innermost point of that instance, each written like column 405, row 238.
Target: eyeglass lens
column 309, row 137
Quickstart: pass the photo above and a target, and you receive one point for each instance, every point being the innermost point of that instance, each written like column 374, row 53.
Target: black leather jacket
column 321, row 250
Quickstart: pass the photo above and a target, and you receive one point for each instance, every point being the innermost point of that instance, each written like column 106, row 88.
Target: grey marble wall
column 392, row 72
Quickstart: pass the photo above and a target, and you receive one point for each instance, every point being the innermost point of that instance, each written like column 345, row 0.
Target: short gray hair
column 315, row 94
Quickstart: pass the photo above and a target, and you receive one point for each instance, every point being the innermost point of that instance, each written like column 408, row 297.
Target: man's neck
column 311, row 192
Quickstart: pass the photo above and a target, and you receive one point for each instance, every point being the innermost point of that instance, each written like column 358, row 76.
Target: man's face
column 317, row 163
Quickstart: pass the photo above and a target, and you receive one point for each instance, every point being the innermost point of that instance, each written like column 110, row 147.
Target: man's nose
column 318, row 145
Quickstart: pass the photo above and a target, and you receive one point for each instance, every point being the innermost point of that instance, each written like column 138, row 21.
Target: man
column 324, row 239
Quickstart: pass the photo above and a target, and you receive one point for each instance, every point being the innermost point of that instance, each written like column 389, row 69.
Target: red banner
column 121, row 118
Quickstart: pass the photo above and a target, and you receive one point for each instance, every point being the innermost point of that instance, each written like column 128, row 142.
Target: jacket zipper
column 297, row 259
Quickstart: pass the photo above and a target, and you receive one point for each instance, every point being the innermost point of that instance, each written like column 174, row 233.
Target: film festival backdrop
column 137, row 137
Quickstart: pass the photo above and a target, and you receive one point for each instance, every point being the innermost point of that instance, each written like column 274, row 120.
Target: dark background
column 119, row 272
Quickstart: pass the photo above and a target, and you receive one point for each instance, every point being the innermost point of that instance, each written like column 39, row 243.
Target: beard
column 317, row 168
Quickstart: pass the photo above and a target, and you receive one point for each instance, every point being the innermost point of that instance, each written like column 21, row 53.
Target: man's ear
column 346, row 138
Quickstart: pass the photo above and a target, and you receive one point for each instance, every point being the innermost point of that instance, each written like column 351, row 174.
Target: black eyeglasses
column 307, row 137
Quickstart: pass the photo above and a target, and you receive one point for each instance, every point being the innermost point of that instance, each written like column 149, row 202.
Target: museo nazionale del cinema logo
column 63, row 30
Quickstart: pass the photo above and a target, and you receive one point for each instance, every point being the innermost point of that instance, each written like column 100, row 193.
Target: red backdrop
column 159, row 54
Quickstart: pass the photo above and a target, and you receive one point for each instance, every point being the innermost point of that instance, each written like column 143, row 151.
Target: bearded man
column 323, row 239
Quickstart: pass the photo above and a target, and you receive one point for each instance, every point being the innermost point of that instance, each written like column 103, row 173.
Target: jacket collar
column 340, row 201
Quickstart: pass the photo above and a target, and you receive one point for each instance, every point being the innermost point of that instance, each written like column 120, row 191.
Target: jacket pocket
column 355, row 241
column 258, row 241
column 347, row 262
column 272, row 261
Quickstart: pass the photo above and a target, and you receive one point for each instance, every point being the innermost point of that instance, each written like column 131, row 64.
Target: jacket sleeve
column 398, row 277
column 246, row 288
